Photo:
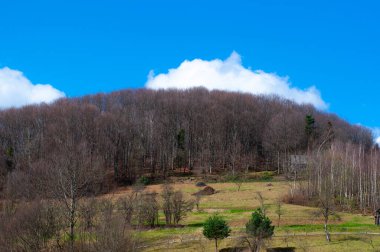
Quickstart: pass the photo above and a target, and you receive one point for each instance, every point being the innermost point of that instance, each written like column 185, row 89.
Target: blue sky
column 83, row 47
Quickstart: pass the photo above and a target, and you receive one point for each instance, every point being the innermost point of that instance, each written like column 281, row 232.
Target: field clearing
column 298, row 227
column 351, row 243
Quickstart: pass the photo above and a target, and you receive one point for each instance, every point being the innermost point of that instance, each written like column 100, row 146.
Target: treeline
column 132, row 133
column 114, row 223
column 92, row 224
column 343, row 176
column 41, row 225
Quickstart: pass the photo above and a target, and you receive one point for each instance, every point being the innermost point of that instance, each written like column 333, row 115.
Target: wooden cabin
column 377, row 217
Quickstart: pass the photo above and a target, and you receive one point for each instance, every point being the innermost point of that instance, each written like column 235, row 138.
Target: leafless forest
column 52, row 156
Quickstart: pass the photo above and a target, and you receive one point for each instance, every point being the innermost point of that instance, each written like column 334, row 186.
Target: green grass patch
column 165, row 233
column 196, row 225
column 344, row 227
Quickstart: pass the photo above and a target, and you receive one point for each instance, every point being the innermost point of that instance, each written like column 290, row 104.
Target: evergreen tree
column 309, row 129
column 258, row 228
column 216, row 228
column 310, row 125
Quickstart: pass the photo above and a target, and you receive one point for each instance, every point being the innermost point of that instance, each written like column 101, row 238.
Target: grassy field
column 298, row 227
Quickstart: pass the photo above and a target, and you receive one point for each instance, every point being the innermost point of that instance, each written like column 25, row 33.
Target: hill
column 126, row 135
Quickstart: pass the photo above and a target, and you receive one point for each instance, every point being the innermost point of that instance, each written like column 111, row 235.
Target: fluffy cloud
column 376, row 134
column 16, row 90
column 231, row 75
column 377, row 140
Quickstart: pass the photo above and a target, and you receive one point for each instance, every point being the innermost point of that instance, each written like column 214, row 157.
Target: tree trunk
column 327, row 232
column 258, row 246
column 72, row 224
column 216, row 245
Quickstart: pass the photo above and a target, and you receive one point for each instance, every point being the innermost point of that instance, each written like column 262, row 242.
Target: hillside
column 132, row 133
column 74, row 173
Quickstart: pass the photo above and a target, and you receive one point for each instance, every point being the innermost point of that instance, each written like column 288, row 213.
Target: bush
column 298, row 198
column 146, row 209
column 266, row 175
column 231, row 178
column 111, row 233
column 261, row 176
column 258, row 228
column 144, row 180
column 200, row 184
column 30, row 228
column 174, row 206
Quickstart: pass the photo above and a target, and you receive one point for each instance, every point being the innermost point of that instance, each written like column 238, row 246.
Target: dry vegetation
column 54, row 158
column 105, row 221
column 299, row 225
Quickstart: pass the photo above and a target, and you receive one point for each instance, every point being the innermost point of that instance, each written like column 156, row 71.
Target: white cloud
column 231, row 75
column 376, row 134
column 377, row 140
column 16, row 90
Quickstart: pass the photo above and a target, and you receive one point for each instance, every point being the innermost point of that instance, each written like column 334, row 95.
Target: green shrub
column 266, row 175
column 144, row 180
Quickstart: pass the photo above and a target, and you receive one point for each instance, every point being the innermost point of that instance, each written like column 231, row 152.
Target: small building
column 298, row 162
column 377, row 217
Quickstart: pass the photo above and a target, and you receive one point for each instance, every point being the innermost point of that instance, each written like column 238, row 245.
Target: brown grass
column 237, row 206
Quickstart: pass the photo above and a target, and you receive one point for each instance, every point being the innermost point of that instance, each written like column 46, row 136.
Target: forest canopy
column 129, row 134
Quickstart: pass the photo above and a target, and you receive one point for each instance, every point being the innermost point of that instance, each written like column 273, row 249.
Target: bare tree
column 180, row 207
column 279, row 211
column 327, row 208
column 326, row 211
column 126, row 207
column 261, row 200
column 71, row 178
column 197, row 201
column 238, row 180
column 87, row 212
column 174, row 205
column 167, row 204
column 31, row 227
column 146, row 206
column 110, row 233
